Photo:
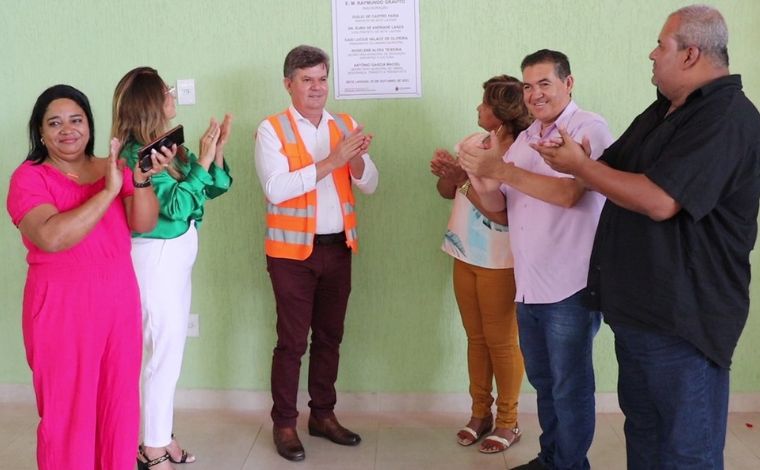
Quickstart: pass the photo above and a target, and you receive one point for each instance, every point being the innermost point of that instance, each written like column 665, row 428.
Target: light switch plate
column 186, row 91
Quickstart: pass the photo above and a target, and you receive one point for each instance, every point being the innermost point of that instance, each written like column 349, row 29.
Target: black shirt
column 688, row 275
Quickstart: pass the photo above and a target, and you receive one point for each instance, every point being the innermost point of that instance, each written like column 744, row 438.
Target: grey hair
column 304, row 57
column 703, row 26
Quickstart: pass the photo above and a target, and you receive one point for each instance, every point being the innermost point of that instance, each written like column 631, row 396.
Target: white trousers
column 163, row 269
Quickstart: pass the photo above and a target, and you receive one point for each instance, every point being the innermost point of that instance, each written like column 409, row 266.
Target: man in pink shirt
column 552, row 221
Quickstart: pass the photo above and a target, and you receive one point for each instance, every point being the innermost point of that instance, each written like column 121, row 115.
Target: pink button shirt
column 552, row 245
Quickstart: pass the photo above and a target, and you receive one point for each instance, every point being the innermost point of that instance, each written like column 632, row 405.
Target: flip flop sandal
column 502, row 443
column 484, row 428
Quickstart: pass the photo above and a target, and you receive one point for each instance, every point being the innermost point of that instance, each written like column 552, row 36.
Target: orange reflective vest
column 291, row 224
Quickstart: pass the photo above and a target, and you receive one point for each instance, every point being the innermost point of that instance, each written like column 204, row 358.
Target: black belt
column 329, row 238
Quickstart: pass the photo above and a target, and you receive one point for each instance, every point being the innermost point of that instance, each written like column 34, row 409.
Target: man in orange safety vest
column 308, row 161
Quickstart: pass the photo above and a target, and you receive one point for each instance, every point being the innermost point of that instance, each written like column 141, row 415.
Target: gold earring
column 42, row 141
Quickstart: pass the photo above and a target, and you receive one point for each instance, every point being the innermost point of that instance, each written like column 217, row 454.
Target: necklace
column 71, row 175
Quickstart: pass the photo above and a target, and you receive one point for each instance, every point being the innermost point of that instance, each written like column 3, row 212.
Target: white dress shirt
column 281, row 184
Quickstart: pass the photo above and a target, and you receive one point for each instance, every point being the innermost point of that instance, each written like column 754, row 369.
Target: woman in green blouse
column 143, row 107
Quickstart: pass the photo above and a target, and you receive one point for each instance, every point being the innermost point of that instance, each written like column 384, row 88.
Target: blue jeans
column 675, row 402
column 556, row 340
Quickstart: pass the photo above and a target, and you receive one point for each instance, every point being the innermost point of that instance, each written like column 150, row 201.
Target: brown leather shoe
column 331, row 429
column 287, row 443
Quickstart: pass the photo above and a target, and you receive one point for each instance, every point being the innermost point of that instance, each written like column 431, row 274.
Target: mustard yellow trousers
column 486, row 299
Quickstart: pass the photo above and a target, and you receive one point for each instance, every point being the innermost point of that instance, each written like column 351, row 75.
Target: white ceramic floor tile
column 743, row 442
column 606, row 448
column 745, row 427
column 18, row 436
column 426, row 447
column 390, row 441
column 218, row 439
column 320, row 453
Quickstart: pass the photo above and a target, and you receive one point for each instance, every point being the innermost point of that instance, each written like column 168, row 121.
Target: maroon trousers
column 310, row 294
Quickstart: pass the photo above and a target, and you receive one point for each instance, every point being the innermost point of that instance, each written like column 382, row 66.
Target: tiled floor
column 391, row 441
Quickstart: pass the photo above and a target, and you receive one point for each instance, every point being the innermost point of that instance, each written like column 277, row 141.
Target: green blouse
column 181, row 201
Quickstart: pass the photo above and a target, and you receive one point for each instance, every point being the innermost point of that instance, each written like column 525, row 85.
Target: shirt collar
column 534, row 130
column 709, row 88
column 299, row 117
column 715, row 85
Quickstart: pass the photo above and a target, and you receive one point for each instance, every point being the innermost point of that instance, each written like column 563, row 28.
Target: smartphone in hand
column 169, row 138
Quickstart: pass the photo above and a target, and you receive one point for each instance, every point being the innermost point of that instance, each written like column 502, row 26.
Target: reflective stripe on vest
column 291, row 225
column 348, row 210
column 274, row 209
column 290, row 136
column 291, row 237
column 342, row 127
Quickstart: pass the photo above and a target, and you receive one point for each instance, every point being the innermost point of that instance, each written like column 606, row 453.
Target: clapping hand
column 562, row 153
column 445, row 166
column 224, row 134
column 353, row 145
column 114, row 177
column 208, row 143
column 478, row 160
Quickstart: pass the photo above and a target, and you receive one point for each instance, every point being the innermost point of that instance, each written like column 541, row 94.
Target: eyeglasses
column 171, row 91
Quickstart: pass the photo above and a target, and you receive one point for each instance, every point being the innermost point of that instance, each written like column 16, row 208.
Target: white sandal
column 475, row 436
column 503, row 442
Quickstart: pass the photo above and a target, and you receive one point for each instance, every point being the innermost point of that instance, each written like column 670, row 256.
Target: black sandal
column 183, row 458
column 147, row 464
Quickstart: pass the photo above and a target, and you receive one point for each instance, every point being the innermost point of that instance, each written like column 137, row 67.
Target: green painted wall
column 403, row 332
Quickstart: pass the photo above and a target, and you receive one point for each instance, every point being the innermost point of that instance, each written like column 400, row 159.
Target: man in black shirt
column 670, row 265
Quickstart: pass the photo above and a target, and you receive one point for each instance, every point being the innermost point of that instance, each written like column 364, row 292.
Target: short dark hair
column 303, row 57
column 38, row 152
column 560, row 61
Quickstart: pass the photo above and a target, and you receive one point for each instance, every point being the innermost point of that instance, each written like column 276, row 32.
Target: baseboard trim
column 246, row 400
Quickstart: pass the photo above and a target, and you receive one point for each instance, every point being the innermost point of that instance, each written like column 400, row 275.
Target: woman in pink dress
column 81, row 307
